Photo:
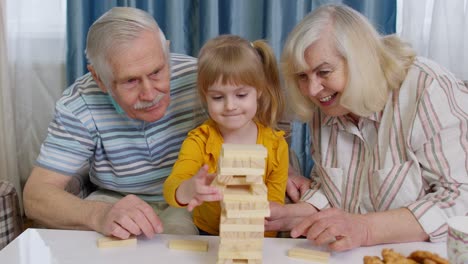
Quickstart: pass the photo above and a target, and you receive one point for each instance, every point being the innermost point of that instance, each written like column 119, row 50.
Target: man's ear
column 96, row 78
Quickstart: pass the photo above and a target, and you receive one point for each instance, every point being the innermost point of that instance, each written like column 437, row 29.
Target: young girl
column 239, row 85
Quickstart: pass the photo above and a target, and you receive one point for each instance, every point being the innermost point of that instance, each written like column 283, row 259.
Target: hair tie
column 252, row 45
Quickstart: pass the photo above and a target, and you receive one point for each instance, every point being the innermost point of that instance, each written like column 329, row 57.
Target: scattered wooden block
column 190, row 245
column 108, row 242
column 309, row 254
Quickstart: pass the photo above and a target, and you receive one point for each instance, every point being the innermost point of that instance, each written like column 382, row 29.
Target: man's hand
column 285, row 217
column 297, row 185
column 197, row 190
column 335, row 228
column 130, row 216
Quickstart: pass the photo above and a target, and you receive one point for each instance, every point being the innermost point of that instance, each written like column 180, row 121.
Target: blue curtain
column 188, row 24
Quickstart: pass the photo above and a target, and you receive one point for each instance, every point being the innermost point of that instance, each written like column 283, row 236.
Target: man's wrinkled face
column 141, row 78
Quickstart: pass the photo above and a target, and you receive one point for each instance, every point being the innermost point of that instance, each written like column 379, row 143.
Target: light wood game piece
column 309, row 254
column 240, row 171
column 245, row 203
column 225, row 180
column 244, row 193
column 190, row 245
column 241, row 235
column 239, row 261
column 251, row 162
column 239, row 150
column 109, row 242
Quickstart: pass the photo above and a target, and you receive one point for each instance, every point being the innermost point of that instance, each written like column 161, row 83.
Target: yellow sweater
column 203, row 146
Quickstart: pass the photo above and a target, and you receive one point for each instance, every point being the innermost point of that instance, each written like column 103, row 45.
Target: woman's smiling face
column 326, row 77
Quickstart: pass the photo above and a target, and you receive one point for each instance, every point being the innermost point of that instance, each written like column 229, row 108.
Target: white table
column 47, row 246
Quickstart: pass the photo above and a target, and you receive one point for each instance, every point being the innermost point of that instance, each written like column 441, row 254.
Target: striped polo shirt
column 413, row 154
column 89, row 137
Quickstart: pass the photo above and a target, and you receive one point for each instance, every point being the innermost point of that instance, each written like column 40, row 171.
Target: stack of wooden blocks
column 244, row 205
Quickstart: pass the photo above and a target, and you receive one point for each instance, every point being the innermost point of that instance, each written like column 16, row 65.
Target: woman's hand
column 197, row 189
column 297, row 184
column 335, row 228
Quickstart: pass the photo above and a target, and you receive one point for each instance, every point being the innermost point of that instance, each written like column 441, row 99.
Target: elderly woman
column 389, row 136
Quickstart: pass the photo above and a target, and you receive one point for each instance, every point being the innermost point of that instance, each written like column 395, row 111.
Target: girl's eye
column 218, row 97
column 242, row 95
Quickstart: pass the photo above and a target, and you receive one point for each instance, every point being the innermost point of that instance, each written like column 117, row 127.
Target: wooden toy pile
column 244, row 205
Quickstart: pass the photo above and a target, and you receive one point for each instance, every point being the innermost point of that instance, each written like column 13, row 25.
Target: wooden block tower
column 245, row 204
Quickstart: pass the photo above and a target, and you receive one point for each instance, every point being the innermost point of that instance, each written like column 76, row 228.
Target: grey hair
column 116, row 27
column 376, row 64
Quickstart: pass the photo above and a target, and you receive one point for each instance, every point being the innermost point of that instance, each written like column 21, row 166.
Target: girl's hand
column 197, row 190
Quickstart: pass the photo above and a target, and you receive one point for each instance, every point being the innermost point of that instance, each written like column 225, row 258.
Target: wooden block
column 258, row 189
column 241, row 221
column 241, row 235
column 239, row 261
column 241, row 150
column 240, row 171
column 309, row 254
column 241, row 228
column 244, row 193
column 190, row 245
column 248, row 213
column 245, row 205
column 254, row 179
column 108, row 242
column 249, row 162
column 254, row 243
column 237, row 180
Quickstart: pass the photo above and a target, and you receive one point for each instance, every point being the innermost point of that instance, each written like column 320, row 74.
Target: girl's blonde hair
column 234, row 60
column 376, row 65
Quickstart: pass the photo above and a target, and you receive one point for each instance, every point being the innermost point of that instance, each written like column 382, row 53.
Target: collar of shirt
column 345, row 120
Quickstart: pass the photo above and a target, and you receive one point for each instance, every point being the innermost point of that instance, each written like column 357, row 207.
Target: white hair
column 116, row 27
column 376, row 64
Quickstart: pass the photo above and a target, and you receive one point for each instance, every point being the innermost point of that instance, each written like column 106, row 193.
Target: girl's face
column 231, row 106
column 325, row 79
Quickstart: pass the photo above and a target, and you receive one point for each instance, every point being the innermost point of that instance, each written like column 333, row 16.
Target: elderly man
column 122, row 125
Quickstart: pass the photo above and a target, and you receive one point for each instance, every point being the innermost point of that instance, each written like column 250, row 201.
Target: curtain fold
column 190, row 23
column 438, row 30
column 8, row 157
column 32, row 75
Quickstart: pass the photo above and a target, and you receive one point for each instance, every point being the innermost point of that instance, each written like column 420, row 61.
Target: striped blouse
column 88, row 136
column 413, row 154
